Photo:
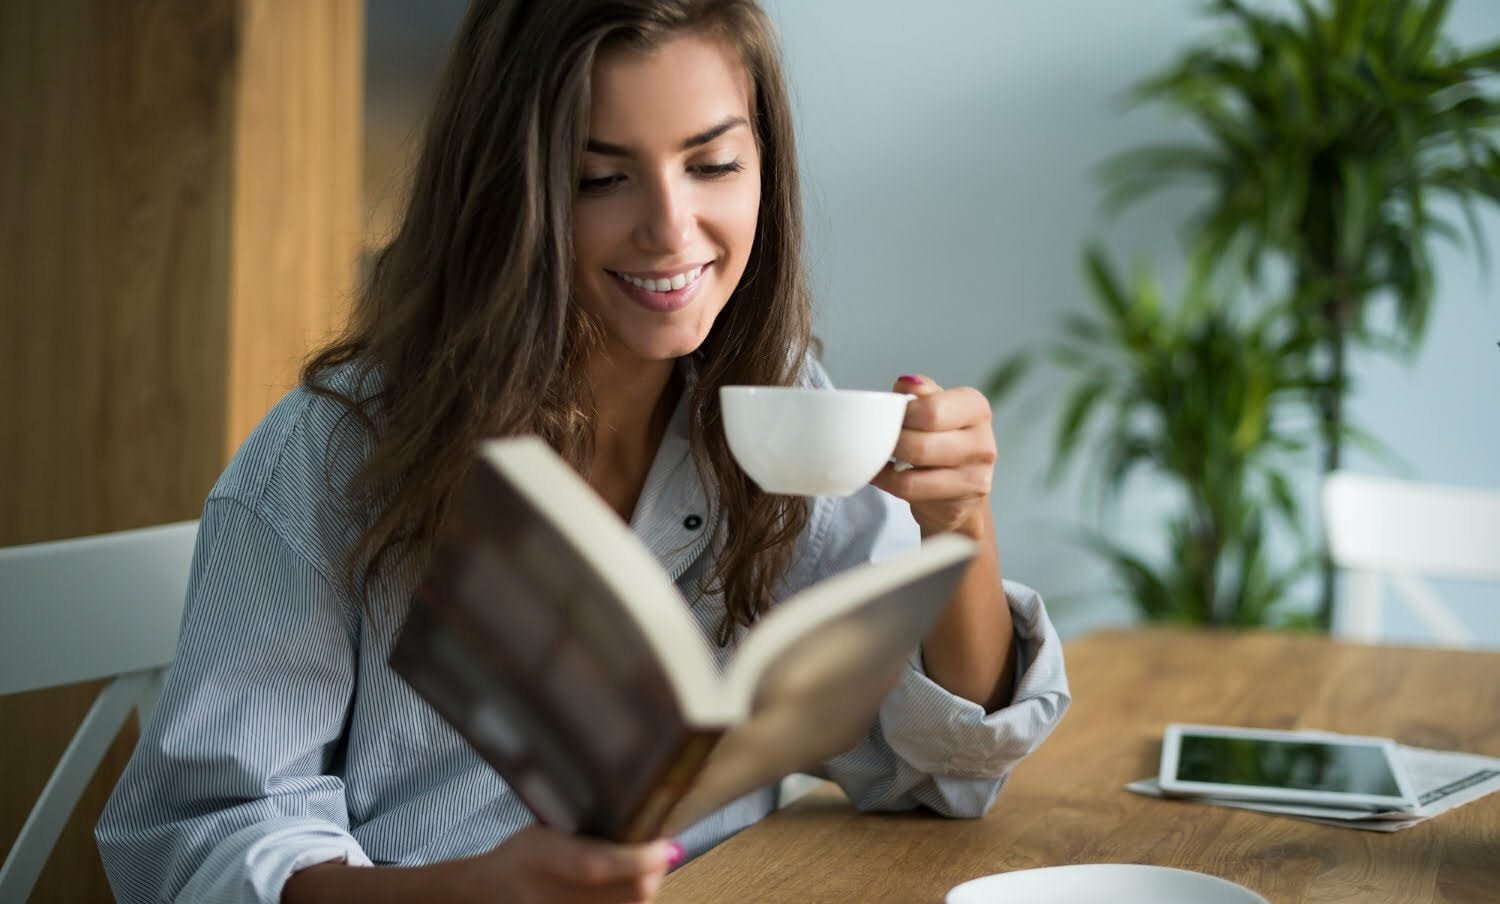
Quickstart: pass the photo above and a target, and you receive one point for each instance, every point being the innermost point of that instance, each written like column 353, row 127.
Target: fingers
column 624, row 874
column 636, row 890
column 919, row 385
column 543, row 864
column 592, row 862
column 974, row 445
column 938, row 409
column 946, row 452
column 928, row 484
column 586, row 871
column 944, row 428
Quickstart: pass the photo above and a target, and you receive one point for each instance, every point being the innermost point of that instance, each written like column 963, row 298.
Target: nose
column 667, row 220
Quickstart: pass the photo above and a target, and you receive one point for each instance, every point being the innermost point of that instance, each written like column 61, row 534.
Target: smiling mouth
column 665, row 283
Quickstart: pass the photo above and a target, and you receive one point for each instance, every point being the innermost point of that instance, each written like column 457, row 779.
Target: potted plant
column 1329, row 137
column 1197, row 394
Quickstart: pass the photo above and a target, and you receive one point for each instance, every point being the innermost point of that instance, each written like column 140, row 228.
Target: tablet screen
column 1307, row 765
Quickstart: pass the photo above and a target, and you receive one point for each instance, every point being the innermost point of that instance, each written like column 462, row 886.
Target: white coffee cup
column 811, row 442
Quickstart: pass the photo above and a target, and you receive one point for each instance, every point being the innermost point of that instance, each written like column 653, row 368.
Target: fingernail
column 675, row 855
column 910, row 378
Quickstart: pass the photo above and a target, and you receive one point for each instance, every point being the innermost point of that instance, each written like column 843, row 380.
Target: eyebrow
column 702, row 138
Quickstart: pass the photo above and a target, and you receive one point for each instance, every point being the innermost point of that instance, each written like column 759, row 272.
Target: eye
column 718, row 170
column 598, row 185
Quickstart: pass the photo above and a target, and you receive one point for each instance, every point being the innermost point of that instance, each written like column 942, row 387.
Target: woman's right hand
column 533, row 866
column 539, row 864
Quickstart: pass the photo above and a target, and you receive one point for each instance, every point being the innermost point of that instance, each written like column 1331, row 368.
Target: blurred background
column 952, row 170
column 952, row 167
column 190, row 188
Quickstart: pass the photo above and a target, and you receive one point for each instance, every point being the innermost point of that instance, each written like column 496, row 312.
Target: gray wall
column 948, row 163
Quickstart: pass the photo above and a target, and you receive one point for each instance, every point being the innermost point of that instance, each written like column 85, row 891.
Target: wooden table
column 1066, row 803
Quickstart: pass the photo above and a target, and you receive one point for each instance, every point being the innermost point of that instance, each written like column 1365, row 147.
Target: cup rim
column 744, row 390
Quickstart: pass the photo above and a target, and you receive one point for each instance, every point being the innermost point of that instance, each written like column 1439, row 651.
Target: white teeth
column 663, row 285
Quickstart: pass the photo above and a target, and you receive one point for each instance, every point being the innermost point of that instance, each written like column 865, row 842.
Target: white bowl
column 811, row 442
column 1088, row 883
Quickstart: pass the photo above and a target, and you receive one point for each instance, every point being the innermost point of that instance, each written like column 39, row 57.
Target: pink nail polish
column 675, row 857
column 910, row 378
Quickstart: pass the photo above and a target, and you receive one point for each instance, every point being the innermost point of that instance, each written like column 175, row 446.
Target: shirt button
column 692, row 522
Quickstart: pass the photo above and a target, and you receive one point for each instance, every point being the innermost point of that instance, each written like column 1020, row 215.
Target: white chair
column 107, row 606
column 1381, row 529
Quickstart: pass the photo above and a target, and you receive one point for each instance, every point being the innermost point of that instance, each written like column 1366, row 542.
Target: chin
column 665, row 350
column 665, row 343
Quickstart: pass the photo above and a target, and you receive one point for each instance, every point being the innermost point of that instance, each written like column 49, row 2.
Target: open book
column 548, row 635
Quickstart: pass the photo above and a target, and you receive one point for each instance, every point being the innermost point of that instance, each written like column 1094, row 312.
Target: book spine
column 669, row 788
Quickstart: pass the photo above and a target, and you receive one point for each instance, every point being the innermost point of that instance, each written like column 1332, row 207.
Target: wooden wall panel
column 113, row 265
column 297, row 216
column 180, row 218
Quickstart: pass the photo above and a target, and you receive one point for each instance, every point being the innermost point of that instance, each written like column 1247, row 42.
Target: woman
column 603, row 229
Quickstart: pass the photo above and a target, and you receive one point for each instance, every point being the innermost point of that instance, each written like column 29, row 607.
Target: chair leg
column 1362, row 607
column 100, row 726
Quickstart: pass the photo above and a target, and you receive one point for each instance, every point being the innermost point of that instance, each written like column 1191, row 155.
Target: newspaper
column 1441, row 779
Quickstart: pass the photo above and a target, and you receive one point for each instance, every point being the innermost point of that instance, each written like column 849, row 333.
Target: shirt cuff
column 942, row 734
column 252, row 865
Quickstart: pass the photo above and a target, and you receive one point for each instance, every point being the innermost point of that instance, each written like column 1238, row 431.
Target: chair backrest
column 1381, row 529
column 107, row 606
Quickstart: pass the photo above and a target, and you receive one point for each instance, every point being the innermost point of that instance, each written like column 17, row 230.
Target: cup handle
column 896, row 463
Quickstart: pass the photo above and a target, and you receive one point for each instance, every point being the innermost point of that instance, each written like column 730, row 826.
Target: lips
column 662, row 282
column 676, row 292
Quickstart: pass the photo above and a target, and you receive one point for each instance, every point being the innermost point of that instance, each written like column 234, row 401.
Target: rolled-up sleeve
column 930, row 747
column 230, row 788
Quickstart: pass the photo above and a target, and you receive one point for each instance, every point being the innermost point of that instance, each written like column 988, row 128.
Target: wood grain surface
column 297, row 223
column 1066, row 803
column 113, row 261
column 180, row 219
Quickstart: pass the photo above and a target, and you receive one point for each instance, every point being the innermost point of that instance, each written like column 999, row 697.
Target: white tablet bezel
column 1171, row 747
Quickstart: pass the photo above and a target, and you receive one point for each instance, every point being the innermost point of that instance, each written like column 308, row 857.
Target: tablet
column 1284, row 766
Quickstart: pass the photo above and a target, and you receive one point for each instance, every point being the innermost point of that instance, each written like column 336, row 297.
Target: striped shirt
column 283, row 738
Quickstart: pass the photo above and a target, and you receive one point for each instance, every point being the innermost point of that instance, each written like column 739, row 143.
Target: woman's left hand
column 947, row 440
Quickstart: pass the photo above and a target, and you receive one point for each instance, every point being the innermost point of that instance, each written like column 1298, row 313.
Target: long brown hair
column 467, row 320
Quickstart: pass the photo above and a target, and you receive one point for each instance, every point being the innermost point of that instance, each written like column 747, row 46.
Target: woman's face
column 667, row 201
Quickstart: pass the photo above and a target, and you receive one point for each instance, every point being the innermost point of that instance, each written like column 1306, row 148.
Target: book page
column 819, row 694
